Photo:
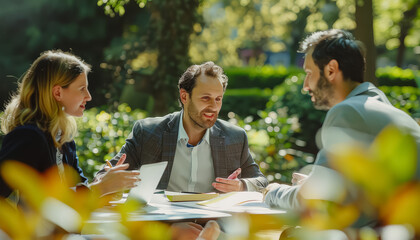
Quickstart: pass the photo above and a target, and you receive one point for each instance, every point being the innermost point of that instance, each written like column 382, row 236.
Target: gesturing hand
column 116, row 178
column 228, row 185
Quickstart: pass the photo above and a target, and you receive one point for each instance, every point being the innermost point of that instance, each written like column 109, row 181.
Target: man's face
column 203, row 105
column 317, row 84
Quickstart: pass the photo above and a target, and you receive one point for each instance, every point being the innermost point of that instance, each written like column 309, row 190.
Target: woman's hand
column 116, row 179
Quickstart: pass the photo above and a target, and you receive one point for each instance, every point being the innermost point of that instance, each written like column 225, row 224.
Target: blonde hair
column 34, row 101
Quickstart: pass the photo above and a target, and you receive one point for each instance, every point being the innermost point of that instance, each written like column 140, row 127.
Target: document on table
column 250, row 202
column 185, row 197
column 233, row 199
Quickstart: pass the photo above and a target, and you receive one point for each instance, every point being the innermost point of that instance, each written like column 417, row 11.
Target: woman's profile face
column 75, row 96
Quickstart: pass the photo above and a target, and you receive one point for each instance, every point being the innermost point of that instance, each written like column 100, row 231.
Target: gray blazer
column 360, row 117
column 154, row 140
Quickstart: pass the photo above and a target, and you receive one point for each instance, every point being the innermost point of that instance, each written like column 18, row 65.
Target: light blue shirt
column 193, row 169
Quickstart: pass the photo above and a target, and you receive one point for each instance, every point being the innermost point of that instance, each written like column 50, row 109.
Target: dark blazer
column 155, row 139
column 30, row 145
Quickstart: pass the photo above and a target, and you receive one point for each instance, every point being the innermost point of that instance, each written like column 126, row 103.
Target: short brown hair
column 189, row 77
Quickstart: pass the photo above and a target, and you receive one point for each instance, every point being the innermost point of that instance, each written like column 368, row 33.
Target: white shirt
column 59, row 158
column 193, row 169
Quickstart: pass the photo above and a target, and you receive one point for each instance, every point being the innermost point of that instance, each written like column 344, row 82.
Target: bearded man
column 357, row 112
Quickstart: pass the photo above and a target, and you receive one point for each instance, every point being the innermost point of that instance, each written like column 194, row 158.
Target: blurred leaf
column 403, row 207
column 25, row 179
column 396, row 152
column 321, row 215
column 13, row 221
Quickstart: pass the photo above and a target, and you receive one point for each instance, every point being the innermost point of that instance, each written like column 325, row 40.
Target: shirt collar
column 361, row 88
column 182, row 134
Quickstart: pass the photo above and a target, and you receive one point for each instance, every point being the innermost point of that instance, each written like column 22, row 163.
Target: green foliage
column 117, row 6
column 153, row 51
column 271, row 142
column 244, row 101
column 263, row 77
column 292, row 98
column 395, row 76
column 405, row 98
column 261, row 26
column 30, row 27
column 102, row 134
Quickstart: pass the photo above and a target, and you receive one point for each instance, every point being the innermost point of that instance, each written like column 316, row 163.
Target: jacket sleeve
column 283, row 196
column 251, row 174
column 73, row 161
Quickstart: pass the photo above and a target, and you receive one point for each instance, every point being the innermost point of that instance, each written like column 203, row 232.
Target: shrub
column 102, row 134
column 405, row 98
column 262, row 77
column 244, row 101
column 395, row 76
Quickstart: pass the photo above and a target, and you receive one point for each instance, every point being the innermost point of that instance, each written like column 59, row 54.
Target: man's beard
column 196, row 117
column 323, row 93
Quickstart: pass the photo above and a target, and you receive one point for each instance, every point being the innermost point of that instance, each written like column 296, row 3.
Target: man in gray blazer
column 203, row 152
column 358, row 112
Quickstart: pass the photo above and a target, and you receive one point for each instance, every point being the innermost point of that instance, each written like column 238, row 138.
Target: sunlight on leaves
column 320, row 215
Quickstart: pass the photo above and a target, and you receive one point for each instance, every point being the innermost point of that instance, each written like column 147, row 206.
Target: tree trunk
column 172, row 24
column 297, row 33
column 405, row 25
column 364, row 33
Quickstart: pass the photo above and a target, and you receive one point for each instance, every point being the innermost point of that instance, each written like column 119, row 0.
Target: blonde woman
column 40, row 126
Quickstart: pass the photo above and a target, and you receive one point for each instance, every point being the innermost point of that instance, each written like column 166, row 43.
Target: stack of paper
column 233, row 199
column 185, row 197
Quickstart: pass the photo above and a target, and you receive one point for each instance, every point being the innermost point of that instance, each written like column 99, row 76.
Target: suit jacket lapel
column 169, row 142
column 218, row 151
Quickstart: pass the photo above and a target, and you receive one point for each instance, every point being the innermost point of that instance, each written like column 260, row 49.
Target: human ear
column 56, row 92
column 331, row 70
column 183, row 95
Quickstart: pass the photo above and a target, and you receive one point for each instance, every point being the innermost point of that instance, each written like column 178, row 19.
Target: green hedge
column 261, row 77
column 244, row 101
column 269, row 76
column 395, row 76
column 405, row 98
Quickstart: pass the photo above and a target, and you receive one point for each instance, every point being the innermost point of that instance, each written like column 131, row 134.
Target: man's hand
column 270, row 187
column 228, row 185
column 231, row 183
column 298, row 178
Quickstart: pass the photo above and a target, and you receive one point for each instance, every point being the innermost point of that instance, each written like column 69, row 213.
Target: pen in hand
column 120, row 161
column 235, row 174
column 108, row 163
